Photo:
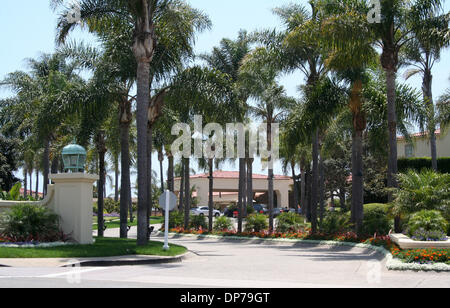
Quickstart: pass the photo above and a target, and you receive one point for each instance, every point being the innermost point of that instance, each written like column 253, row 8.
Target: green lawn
column 114, row 223
column 103, row 247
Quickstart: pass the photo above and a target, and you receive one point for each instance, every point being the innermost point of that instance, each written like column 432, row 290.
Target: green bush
column 418, row 164
column 223, row 223
column 250, row 210
column 376, row 219
column 176, row 220
column 110, row 206
column 335, row 222
column 27, row 223
column 428, row 221
column 289, row 222
column 198, row 222
column 426, row 190
column 256, row 223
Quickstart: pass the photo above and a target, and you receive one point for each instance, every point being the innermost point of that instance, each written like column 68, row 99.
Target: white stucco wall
column 281, row 188
column 422, row 146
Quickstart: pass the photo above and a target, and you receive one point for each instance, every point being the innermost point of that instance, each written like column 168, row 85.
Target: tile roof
column 418, row 135
column 235, row 175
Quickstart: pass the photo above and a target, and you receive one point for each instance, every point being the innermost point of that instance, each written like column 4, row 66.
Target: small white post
column 166, row 228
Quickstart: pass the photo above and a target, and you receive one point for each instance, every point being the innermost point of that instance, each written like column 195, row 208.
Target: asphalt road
column 237, row 264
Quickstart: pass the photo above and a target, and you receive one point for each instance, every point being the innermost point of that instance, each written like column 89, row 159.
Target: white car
column 204, row 211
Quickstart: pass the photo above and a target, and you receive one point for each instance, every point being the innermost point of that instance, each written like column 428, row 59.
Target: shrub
column 110, row 206
column 426, row 190
column 289, row 223
column 256, row 223
column 428, row 236
column 418, row 164
column 28, row 223
column 335, row 222
column 427, row 221
column 250, row 210
column 198, row 222
column 223, row 223
column 176, row 220
column 376, row 219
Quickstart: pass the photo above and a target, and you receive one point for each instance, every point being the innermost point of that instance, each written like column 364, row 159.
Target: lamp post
column 74, row 158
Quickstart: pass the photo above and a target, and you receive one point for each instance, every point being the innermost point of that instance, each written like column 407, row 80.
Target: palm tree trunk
column 294, row 176
column 359, row 125
column 241, row 193
column 31, row 182
column 342, row 199
column 308, row 192
column 181, row 204
column 321, row 187
column 270, row 176
column 187, row 192
column 250, row 182
column 303, row 188
column 392, row 126
column 55, row 164
column 170, row 174
column 46, row 164
column 211, row 194
column 161, row 169
column 101, row 149
column 116, row 178
column 357, row 181
column 36, row 193
column 244, row 188
column 125, row 185
column 149, row 176
column 315, row 181
column 25, row 182
column 143, row 95
column 427, row 88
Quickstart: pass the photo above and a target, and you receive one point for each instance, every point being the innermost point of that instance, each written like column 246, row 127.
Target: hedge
column 420, row 163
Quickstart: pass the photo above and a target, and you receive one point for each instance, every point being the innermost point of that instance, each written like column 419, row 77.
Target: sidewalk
column 93, row 262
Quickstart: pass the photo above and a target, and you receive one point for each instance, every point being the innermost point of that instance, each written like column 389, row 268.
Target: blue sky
column 28, row 28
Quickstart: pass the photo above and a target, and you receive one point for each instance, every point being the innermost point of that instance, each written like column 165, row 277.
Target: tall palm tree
column 351, row 53
column 271, row 107
column 430, row 36
column 228, row 59
column 398, row 20
column 146, row 17
column 298, row 48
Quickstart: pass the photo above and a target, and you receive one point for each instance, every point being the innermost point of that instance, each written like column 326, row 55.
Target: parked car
column 260, row 209
column 204, row 211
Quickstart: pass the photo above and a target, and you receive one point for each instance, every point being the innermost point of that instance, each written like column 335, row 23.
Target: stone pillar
column 73, row 194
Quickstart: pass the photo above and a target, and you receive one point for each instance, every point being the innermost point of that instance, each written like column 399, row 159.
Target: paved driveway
column 227, row 263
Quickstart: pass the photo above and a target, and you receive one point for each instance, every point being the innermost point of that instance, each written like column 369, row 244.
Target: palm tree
column 298, row 48
column 271, row 107
column 398, row 21
column 351, row 53
column 430, row 36
column 228, row 59
column 147, row 18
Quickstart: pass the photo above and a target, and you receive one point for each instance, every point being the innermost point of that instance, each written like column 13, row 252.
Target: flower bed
column 423, row 256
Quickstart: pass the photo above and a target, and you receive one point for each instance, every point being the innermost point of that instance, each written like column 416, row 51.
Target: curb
column 130, row 261
column 392, row 264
